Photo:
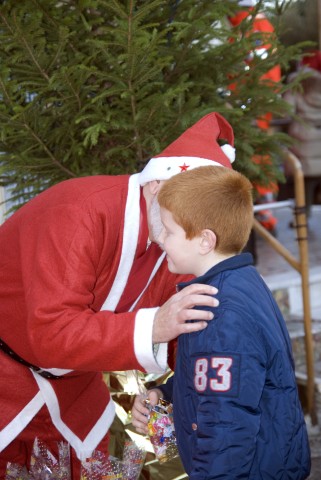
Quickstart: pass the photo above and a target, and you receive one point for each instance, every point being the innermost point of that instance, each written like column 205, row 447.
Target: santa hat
column 197, row 146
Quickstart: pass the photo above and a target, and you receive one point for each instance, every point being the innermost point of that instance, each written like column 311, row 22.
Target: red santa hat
column 197, row 146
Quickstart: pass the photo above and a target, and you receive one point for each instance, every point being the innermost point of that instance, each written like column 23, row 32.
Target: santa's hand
column 140, row 412
column 170, row 319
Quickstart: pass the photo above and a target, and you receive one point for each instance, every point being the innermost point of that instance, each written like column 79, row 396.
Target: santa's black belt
column 6, row 349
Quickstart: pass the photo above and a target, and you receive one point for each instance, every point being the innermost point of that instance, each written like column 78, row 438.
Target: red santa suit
column 66, row 257
column 77, row 291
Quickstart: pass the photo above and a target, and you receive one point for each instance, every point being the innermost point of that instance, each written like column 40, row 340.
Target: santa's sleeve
column 61, row 262
column 161, row 288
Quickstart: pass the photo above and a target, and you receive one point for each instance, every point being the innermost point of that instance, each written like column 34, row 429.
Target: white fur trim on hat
column 163, row 168
column 229, row 152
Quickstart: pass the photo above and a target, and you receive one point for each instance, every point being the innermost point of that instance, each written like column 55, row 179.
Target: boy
column 236, row 407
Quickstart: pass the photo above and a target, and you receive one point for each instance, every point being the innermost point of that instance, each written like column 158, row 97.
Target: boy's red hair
column 214, row 198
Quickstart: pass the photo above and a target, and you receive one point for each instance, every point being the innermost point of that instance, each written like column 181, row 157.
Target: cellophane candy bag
column 161, row 430
column 133, row 460
column 45, row 466
column 101, row 467
column 16, row 472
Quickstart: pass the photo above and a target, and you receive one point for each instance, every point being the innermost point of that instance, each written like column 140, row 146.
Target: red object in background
column 263, row 25
column 312, row 60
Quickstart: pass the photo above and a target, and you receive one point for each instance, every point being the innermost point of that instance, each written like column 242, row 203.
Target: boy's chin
column 171, row 267
column 169, row 264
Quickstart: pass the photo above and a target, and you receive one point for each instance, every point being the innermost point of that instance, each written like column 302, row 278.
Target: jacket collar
column 237, row 261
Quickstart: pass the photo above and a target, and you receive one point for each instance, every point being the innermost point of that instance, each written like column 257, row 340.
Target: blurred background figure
column 305, row 126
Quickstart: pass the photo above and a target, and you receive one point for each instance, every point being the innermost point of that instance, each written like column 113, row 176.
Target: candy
column 161, row 430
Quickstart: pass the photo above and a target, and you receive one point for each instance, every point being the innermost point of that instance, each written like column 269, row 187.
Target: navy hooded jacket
column 236, row 407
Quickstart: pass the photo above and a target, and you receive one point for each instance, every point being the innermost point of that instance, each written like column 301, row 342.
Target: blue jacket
column 236, row 407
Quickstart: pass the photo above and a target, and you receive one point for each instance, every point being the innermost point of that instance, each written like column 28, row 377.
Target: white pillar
column 2, row 206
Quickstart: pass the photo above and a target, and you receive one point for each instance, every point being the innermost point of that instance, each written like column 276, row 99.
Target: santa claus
column 82, row 279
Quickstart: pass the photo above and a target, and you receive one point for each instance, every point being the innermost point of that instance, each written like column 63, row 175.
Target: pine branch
column 43, row 145
column 20, row 35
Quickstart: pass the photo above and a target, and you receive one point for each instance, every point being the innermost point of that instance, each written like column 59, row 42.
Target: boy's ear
column 207, row 241
column 154, row 186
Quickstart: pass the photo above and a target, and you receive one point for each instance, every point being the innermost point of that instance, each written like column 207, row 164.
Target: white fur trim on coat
column 19, row 423
column 84, row 448
column 130, row 239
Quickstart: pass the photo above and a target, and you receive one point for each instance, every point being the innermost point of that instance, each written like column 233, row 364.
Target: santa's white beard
column 155, row 223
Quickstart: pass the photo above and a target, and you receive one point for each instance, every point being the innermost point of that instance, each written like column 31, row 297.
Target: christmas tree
column 97, row 87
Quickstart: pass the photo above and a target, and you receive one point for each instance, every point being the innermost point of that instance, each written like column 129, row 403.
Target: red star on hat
column 184, row 167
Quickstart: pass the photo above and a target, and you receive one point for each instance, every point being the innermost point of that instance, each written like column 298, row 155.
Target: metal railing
column 301, row 265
